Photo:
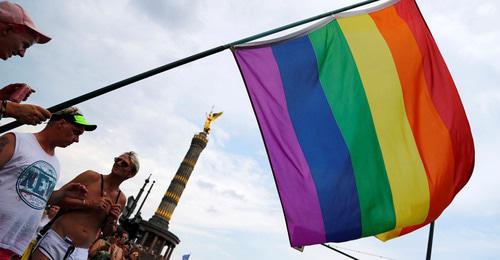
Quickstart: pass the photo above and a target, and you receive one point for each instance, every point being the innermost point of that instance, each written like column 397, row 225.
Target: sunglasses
column 122, row 163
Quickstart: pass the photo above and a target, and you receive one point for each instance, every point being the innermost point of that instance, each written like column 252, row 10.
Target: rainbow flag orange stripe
column 363, row 125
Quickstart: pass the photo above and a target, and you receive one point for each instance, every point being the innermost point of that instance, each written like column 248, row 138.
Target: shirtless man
column 75, row 230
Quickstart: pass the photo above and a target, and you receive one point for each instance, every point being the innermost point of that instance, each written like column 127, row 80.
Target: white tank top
column 26, row 183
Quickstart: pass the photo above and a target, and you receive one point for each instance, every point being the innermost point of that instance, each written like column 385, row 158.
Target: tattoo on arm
column 4, row 141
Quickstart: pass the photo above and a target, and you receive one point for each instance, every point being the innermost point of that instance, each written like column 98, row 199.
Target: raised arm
column 74, row 193
column 26, row 113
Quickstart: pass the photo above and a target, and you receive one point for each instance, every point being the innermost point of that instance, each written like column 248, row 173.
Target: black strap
column 118, row 196
column 102, row 185
column 70, row 249
column 102, row 195
column 102, row 189
column 116, row 200
column 49, row 224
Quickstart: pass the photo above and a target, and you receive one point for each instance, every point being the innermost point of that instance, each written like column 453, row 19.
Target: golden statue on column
column 210, row 118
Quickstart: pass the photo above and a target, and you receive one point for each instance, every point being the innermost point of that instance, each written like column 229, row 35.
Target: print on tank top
column 36, row 183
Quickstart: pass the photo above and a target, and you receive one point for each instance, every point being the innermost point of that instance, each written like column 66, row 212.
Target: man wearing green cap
column 29, row 171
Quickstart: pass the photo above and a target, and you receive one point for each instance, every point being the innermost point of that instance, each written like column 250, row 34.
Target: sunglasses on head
column 120, row 162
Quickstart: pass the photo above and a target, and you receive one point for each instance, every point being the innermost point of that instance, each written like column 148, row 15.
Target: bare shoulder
column 90, row 174
column 7, row 146
column 87, row 176
column 7, row 138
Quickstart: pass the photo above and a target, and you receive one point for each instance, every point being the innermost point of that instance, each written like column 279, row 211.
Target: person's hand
column 16, row 92
column 102, row 205
column 27, row 113
column 115, row 212
column 75, row 191
column 72, row 190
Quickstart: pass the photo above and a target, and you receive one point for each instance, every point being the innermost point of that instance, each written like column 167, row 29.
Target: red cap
column 14, row 14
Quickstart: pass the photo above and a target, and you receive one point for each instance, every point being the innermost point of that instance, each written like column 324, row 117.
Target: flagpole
column 180, row 62
column 340, row 252
column 429, row 241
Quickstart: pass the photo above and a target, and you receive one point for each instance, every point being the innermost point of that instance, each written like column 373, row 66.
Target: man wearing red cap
column 18, row 33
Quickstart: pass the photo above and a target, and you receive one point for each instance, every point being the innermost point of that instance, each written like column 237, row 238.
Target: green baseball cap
column 74, row 116
column 80, row 120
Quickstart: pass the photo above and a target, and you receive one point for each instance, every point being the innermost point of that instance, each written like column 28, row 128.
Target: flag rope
column 361, row 252
column 340, row 252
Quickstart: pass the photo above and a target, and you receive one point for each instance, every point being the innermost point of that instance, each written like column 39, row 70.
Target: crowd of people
column 116, row 246
column 83, row 211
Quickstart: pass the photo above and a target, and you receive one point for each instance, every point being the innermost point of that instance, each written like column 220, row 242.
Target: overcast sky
column 230, row 208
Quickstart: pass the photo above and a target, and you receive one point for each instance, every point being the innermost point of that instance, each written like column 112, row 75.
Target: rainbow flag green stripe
column 359, row 140
column 346, row 96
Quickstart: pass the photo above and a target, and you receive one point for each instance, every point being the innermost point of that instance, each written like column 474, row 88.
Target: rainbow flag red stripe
column 362, row 122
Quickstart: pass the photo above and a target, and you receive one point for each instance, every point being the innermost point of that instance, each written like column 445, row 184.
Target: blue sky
column 230, row 208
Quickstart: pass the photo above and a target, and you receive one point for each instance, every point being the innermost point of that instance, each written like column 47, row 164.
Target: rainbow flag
column 363, row 125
